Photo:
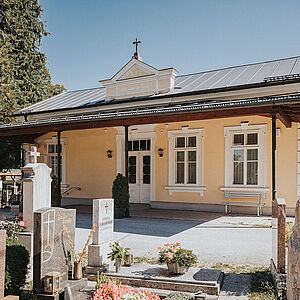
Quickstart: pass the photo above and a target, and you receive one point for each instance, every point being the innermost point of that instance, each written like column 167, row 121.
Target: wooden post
column 59, row 148
column 273, row 157
column 126, row 151
column 281, row 217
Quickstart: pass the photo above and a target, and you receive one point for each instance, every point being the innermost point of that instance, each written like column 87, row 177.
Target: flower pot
column 77, row 270
column 128, row 261
column 117, row 264
column 174, row 268
column 119, row 213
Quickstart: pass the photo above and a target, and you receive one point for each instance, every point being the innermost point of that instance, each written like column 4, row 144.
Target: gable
column 138, row 79
column 135, row 71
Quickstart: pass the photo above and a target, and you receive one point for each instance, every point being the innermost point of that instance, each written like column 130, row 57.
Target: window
column 245, row 156
column 52, row 150
column 245, row 159
column 139, row 145
column 185, row 160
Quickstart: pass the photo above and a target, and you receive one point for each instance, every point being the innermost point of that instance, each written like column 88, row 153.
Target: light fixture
column 52, row 283
column 109, row 153
column 160, row 152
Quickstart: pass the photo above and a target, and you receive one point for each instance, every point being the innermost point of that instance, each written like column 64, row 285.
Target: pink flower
column 21, row 223
column 169, row 255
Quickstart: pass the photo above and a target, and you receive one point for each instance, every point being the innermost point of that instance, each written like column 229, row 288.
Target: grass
column 237, row 269
column 262, row 287
column 147, row 260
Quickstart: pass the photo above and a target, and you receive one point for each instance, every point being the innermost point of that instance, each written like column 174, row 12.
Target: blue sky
column 92, row 39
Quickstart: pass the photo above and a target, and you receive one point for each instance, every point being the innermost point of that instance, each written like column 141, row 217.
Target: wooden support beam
column 284, row 118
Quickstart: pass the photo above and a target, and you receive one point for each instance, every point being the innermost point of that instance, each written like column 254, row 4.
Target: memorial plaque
column 103, row 218
column 51, row 246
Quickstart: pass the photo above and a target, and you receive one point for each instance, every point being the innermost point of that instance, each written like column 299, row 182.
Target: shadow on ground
column 142, row 226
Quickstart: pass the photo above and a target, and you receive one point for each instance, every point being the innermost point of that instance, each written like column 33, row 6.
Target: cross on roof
column 136, row 54
column 33, row 154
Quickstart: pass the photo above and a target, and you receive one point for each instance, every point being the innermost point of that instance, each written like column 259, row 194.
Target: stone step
column 208, row 287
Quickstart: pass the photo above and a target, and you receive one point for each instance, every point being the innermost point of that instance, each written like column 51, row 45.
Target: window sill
column 244, row 189
column 185, row 188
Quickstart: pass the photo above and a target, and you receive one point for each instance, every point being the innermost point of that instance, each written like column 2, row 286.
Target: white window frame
column 245, row 129
column 178, row 187
column 53, row 141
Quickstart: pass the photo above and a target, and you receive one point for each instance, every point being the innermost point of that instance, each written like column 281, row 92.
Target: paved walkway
column 215, row 238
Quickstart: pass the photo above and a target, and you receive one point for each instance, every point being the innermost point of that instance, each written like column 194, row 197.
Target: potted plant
column 120, row 194
column 128, row 258
column 178, row 260
column 117, row 254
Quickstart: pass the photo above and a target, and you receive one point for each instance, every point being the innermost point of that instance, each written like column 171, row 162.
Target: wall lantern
column 52, row 283
column 160, row 152
column 109, row 153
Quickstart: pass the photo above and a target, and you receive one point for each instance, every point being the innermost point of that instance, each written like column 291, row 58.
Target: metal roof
column 160, row 110
column 269, row 71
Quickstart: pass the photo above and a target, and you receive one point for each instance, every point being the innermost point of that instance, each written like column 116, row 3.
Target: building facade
column 186, row 140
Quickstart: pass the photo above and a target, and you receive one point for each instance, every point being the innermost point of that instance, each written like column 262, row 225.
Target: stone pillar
column 2, row 261
column 103, row 217
column 278, row 234
column 293, row 273
column 36, row 191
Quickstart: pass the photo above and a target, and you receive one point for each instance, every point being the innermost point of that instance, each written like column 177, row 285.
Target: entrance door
column 139, row 176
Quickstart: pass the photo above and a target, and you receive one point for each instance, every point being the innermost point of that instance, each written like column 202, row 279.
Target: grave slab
column 51, row 247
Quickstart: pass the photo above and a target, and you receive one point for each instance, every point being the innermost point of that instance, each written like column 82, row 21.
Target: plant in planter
column 120, row 194
column 117, row 254
column 178, row 260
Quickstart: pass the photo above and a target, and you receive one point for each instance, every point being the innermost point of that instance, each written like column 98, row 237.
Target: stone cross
column 2, row 261
column 34, row 154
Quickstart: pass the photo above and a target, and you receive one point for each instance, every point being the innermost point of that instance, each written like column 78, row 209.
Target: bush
column 120, row 192
column 17, row 259
column 179, row 296
column 12, row 225
column 55, row 192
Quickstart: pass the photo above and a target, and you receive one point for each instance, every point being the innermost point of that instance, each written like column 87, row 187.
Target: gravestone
column 2, row 261
column 51, row 249
column 36, row 188
column 103, row 218
column 293, row 272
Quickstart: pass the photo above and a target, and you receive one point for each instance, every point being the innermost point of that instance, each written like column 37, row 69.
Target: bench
column 244, row 195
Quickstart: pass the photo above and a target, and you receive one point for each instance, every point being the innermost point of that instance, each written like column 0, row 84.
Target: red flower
column 21, row 223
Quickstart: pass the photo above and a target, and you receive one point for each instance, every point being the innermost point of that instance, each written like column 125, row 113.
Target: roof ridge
column 236, row 66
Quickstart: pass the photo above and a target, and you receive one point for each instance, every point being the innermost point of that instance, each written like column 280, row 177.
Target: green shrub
column 55, row 192
column 120, row 192
column 17, row 259
column 179, row 296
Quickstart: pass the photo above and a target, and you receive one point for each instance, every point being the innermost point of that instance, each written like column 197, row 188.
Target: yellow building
column 193, row 140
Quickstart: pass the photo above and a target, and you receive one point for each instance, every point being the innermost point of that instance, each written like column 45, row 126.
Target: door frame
column 137, row 132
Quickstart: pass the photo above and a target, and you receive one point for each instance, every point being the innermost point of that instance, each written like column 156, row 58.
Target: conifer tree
column 24, row 77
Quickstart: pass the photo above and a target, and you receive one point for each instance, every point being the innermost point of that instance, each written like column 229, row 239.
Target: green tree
column 24, row 77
